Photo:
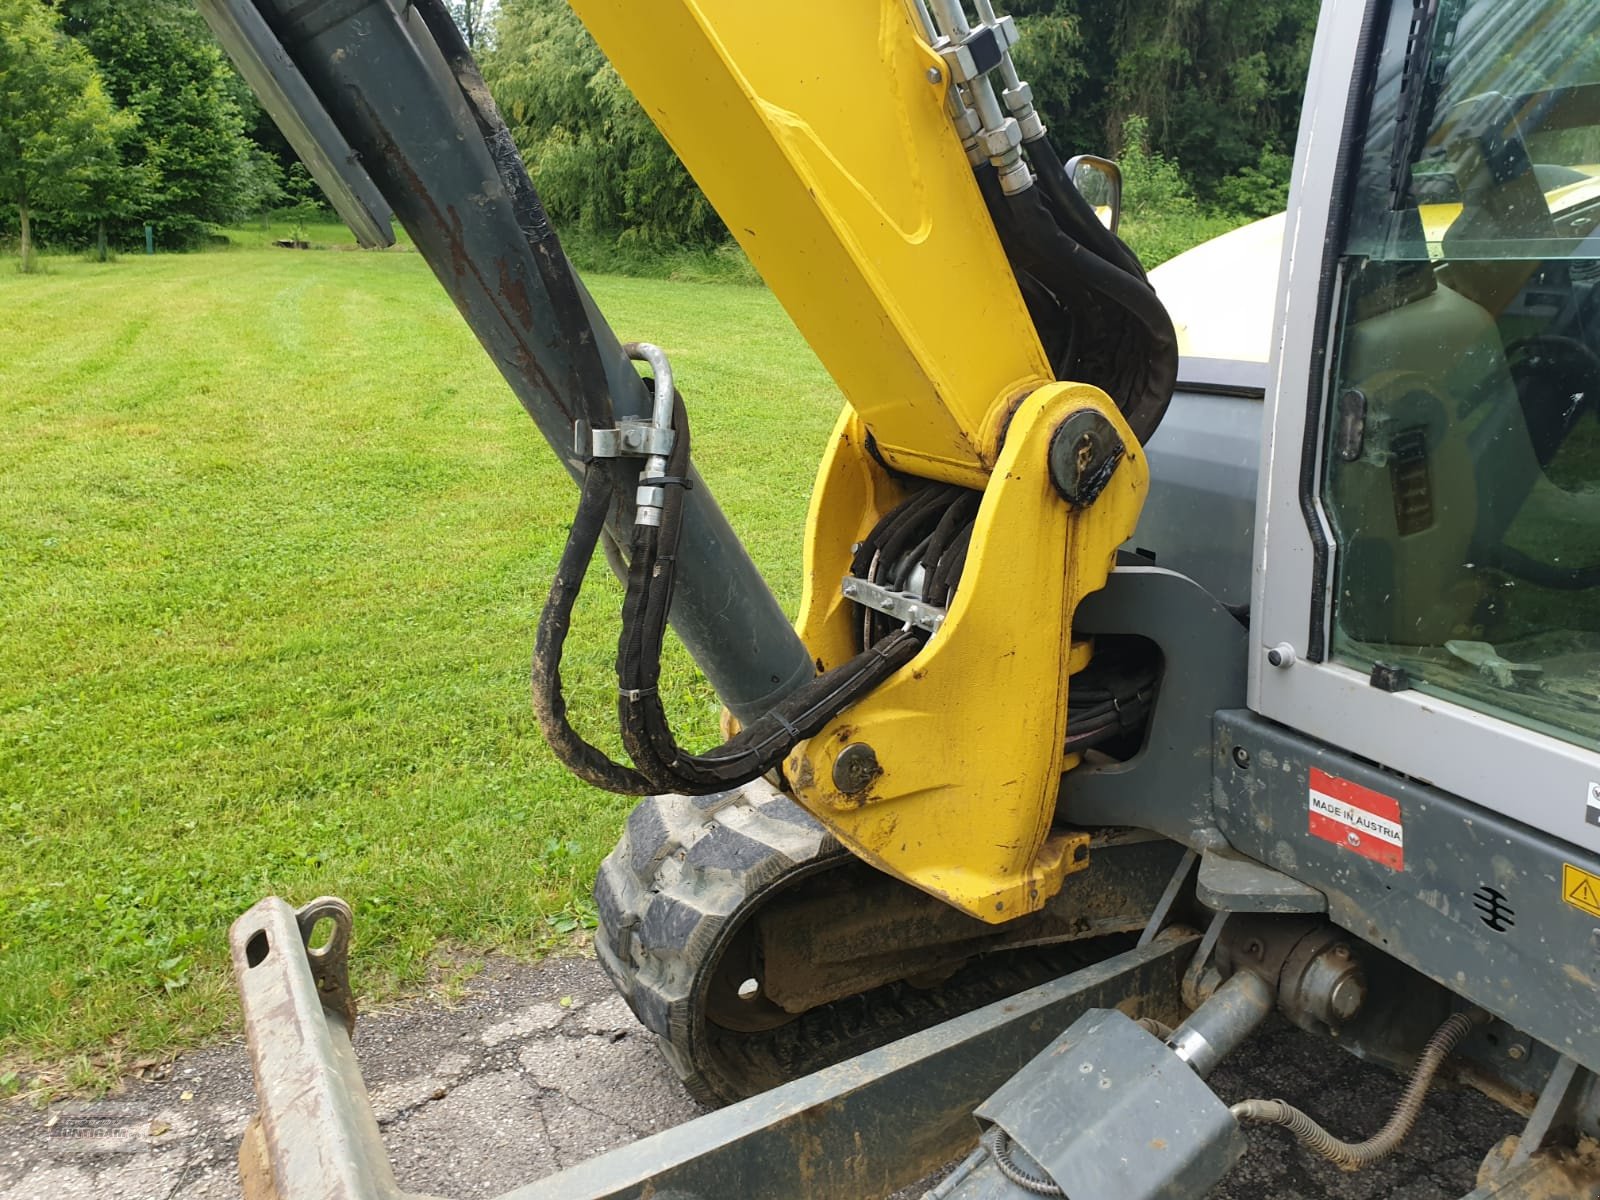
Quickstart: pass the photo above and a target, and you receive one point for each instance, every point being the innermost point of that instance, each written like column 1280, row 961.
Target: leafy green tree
column 1260, row 189
column 108, row 191
column 1217, row 81
column 263, row 184
column 190, row 151
column 1052, row 57
column 599, row 163
column 1160, row 215
column 473, row 18
column 58, row 128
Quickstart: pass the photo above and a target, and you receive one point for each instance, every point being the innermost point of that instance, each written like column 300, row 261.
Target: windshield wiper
column 1430, row 43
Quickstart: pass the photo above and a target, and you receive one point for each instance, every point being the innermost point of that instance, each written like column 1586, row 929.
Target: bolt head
column 1347, row 996
column 1083, row 453
column 1516, row 1051
column 855, row 768
column 935, row 75
column 1241, row 757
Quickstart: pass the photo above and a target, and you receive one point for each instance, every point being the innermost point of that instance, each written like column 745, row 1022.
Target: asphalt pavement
column 539, row 1067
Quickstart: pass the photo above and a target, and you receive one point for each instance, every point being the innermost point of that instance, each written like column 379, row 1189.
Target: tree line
column 1204, row 95
column 118, row 113
column 114, row 113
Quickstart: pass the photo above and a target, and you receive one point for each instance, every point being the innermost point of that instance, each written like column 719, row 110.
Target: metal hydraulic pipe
column 650, row 496
column 387, row 86
column 978, row 92
column 1215, row 1029
column 964, row 118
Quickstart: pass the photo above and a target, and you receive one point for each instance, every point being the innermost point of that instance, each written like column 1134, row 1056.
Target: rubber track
column 686, row 873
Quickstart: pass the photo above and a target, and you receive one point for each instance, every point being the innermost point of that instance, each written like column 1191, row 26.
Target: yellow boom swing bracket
column 829, row 154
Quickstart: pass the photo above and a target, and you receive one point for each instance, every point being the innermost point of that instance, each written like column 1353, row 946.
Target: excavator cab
column 1451, row 483
column 1461, row 474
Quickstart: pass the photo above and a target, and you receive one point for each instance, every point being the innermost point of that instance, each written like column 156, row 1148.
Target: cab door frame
column 1534, row 778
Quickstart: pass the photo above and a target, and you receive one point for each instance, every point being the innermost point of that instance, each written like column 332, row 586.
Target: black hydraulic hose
column 1068, row 295
column 1050, row 309
column 660, row 764
column 1118, row 334
column 914, row 524
column 897, row 530
column 1054, row 330
column 910, row 533
column 1125, row 317
column 584, row 760
column 958, row 514
column 1077, row 215
column 1100, row 346
column 761, row 745
column 948, row 573
column 861, row 559
column 586, row 381
column 1354, row 1155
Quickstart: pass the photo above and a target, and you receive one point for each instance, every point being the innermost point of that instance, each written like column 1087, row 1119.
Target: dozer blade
column 858, row 1130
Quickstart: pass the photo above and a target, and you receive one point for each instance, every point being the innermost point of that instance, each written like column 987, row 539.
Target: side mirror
column 1099, row 181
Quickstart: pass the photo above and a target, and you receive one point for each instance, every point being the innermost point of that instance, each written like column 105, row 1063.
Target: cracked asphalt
column 540, row 1067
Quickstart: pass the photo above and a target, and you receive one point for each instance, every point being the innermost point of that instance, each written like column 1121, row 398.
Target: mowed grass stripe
column 273, row 537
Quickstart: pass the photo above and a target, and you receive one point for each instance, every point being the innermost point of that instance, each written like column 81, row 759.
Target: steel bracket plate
column 1108, row 1110
column 902, row 606
column 630, row 438
column 1233, row 883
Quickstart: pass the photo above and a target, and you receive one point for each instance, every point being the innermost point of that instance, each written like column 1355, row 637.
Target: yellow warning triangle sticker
column 1581, row 889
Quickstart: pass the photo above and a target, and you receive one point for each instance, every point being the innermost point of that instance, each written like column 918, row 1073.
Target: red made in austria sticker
column 1357, row 818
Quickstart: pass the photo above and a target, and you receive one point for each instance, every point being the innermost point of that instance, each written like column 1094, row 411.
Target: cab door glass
column 1461, row 467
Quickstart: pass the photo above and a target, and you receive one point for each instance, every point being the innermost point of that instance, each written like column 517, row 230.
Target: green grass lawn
column 273, row 539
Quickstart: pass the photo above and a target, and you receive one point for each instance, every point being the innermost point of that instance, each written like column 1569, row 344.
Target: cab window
column 1461, row 466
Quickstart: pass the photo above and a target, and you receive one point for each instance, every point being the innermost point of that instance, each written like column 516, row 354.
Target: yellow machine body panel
column 842, row 178
column 969, row 736
column 851, row 493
